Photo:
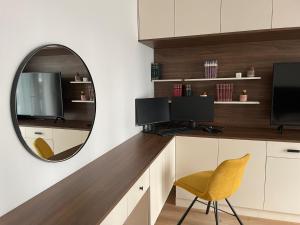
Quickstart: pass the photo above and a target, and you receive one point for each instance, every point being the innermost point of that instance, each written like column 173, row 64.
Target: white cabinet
column 156, row 19
column 162, row 177
column 283, row 149
column 196, row 17
column 245, row 15
column 137, row 191
column 282, row 185
column 118, row 215
column 194, row 154
column 286, row 13
column 251, row 192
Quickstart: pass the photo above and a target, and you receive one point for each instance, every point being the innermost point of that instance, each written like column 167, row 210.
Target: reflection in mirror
column 53, row 103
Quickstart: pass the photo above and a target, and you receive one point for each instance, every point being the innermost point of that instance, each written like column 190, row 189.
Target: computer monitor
column 151, row 111
column 194, row 108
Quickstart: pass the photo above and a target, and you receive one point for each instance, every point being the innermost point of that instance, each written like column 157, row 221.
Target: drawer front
column 283, row 150
column 39, row 132
column 137, row 191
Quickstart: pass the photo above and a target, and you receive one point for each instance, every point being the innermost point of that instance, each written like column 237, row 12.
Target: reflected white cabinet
column 245, row 15
column 196, row 17
column 254, row 174
column 162, row 177
column 156, row 19
column 286, row 13
column 194, row 154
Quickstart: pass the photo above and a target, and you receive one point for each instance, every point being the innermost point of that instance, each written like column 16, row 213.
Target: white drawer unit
column 39, row 132
column 282, row 185
column 137, row 191
column 118, row 215
column 283, row 150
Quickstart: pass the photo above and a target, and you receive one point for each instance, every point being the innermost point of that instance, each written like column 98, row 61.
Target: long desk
column 88, row 196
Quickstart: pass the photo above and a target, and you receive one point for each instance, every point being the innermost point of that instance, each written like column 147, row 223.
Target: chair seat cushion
column 196, row 183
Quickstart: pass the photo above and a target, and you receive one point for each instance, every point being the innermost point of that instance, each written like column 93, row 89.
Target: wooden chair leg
column 216, row 212
column 187, row 211
column 208, row 207
column 235, row 214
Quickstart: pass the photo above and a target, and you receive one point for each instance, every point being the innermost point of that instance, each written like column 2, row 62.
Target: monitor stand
column 59, row 118
column 149, row 128
column 280, row 129
column 210, row 129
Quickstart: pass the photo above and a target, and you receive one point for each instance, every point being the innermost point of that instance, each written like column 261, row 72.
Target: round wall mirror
column 53, row 103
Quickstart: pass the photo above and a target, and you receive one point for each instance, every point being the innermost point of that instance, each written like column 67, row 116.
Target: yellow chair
column 216, row 185
column 43, row 148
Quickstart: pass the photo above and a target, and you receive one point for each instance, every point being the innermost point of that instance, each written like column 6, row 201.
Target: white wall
column 104, row 34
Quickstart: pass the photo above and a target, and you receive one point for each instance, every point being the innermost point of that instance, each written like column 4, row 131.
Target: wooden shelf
column 238, row 103
column 81, row 101
column 168, row 80
column 222, row 78
column 80, row 82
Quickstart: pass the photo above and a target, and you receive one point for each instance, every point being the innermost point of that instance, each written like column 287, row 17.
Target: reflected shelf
column 80, row 82
column 238, row 103
column 83, row 101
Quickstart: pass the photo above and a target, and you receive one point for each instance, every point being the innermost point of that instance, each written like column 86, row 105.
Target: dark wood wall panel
column 188, row 63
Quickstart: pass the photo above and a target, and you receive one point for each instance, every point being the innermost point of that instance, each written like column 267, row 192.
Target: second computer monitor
column 194, row 108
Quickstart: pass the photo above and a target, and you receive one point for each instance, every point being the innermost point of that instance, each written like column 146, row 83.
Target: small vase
column 243, row 98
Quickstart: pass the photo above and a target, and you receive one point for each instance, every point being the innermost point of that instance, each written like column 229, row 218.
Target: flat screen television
column 151, row 110
column 286, row 94
column 39, row 95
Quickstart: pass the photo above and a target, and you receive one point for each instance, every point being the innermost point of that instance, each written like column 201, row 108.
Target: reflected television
column 39, row 95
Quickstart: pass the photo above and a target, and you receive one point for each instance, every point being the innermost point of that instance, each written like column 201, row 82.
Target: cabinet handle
column 141, row 188
column 293, row 151
column 38, row 133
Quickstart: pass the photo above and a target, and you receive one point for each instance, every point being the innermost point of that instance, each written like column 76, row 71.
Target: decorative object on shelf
column 85, row 79
column 177, row 90
column 91, row 93
column 188, row 90
column 83, row 96
column 211, row 68
column 238, row 75
column 203, row 94
column 77, row 77
column 244, row 96
column 251, row 72
column 155, row 71
column 224, row 92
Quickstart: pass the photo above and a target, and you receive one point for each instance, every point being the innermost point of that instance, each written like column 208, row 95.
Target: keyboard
column 171, row 131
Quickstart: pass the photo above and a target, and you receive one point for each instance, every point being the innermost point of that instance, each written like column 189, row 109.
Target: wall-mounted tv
column 39, row 95
column 286, row 94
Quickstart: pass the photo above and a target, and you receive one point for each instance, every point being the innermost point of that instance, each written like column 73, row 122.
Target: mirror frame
column 13, row 102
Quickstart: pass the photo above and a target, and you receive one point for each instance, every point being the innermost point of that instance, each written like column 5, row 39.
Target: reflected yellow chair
column 43, row 148
column 216, row 185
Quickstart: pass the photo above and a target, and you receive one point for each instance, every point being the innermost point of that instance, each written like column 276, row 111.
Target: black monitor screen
column 286, row 94
column 152, row 110
column 194, row 108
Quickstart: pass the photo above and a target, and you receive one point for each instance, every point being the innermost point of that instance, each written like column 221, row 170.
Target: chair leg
column 232, row 209
column 187, row 211
column 216, row 212
column 208, row 207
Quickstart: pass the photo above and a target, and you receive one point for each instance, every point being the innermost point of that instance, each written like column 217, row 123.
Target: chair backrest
column 43, row 148
column 227, row 178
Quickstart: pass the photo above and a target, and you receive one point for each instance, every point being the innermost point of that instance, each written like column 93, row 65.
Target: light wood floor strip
column 171, row 214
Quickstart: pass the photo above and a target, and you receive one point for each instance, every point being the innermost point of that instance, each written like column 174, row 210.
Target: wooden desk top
column 87, row 196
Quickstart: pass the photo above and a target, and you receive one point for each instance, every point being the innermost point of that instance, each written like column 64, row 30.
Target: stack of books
column 224, row 92
column 177, row 90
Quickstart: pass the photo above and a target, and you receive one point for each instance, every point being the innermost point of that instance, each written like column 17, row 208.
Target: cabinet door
column 286, row 13
column 244, row 15
column 282, row 185
column 156, row 19
column 118, row 215
column 156, row 188
column 251, row 192
column 65, row 139
column 196, row 17
column 194, row 154
column 169, row 168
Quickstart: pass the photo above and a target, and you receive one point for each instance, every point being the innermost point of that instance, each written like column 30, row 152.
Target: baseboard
column 246, row 212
